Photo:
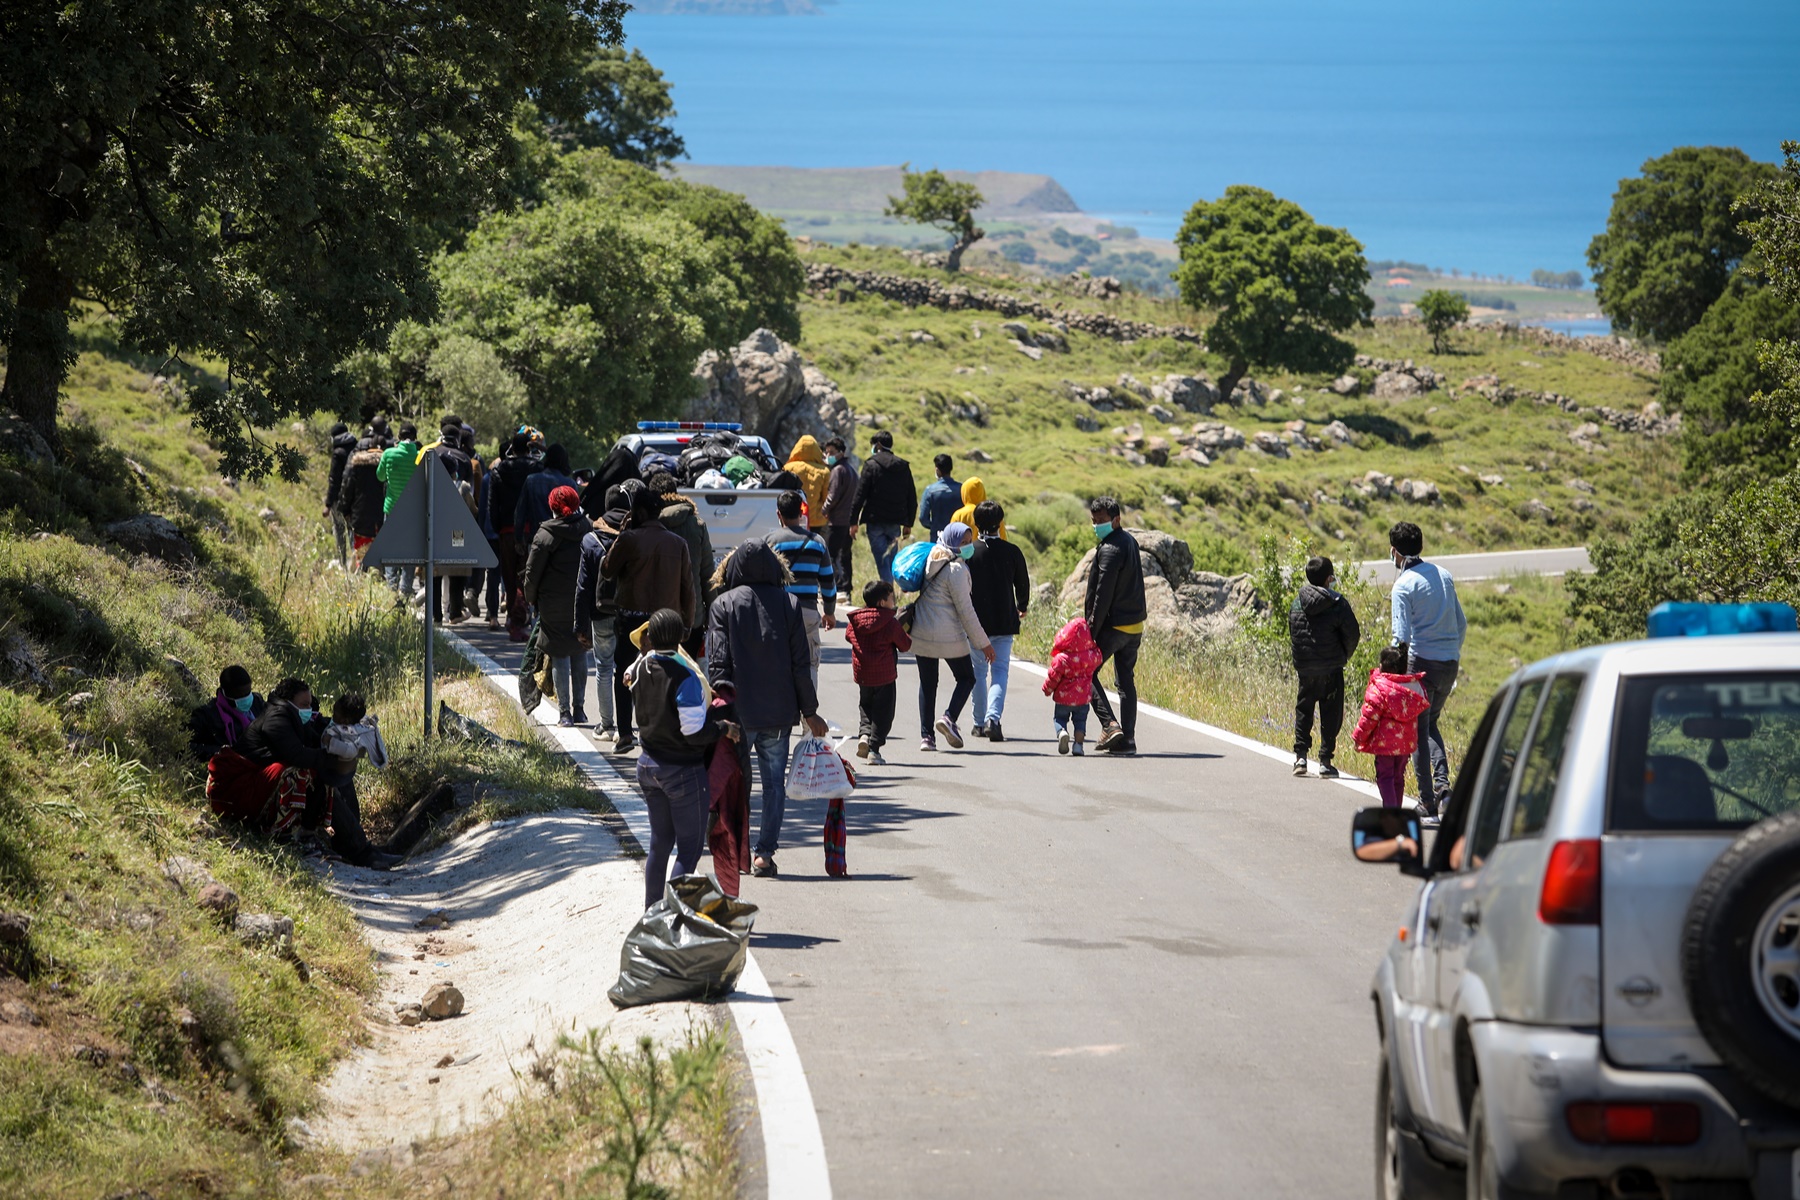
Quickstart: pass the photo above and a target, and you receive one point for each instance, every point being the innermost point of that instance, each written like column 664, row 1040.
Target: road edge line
column 794, row 1160
column 1354, row 783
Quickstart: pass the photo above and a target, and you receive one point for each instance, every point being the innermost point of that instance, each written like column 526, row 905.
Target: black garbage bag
column 531, row 665
column 690, row 945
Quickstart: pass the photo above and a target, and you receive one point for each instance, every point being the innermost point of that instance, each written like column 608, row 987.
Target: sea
column 1487, row 137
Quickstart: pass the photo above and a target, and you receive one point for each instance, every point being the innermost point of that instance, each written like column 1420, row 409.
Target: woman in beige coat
column 944, row 627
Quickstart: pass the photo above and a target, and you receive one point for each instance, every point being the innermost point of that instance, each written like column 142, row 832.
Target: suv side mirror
column 1380, row 835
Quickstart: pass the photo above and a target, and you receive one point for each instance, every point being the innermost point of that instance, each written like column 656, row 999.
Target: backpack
column 909, row 566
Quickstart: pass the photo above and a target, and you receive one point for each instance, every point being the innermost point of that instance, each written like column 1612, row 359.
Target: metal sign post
column 418, row 533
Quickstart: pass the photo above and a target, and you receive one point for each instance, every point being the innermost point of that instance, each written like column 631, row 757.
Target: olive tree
column 933, row 198
column 1282, row 285
column 1442, row 311
column 263, row 185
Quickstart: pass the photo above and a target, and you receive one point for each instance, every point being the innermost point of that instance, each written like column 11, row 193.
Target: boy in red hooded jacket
column 876, row 640
column 1389, row 726
column 1074, row 657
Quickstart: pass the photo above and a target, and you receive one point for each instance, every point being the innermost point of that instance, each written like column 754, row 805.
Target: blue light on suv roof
column 1670, row 619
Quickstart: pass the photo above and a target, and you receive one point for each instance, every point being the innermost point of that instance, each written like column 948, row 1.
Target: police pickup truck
column 732, row 516
column 1596, row 991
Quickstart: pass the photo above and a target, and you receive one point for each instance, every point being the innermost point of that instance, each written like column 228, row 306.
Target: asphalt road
column 1569, row 560
column 1054, row 976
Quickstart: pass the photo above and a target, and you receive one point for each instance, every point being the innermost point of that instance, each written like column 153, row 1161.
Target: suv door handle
column 1471, row 915
column 1434, row 922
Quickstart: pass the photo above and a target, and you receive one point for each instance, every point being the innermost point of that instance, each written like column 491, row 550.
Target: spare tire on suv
column 1740, row 957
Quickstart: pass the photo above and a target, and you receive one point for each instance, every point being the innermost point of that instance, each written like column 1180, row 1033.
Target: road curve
column 1565, row 561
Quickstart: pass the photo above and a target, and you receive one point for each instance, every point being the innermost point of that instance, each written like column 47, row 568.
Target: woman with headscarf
column 944, row 627
column 551, row 570
column 807, row 464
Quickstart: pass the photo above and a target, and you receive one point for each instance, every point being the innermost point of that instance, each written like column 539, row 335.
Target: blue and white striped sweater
column 810, row 562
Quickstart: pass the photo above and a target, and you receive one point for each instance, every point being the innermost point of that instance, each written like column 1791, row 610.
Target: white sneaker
column 862, row 747
column 1063, row 738
column 875, row 759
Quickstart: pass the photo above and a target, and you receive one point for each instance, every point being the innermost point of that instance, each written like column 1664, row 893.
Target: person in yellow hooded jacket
column 807, row 462
column 973, row 493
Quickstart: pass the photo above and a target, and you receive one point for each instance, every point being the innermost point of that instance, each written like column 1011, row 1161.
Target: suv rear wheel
column 1740, row 957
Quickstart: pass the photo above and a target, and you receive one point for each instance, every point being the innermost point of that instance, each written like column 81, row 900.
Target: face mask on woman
column 306, row 714
column 244, row 702
column 967, row 551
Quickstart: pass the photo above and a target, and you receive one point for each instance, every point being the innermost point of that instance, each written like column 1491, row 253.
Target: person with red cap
column 551, row 569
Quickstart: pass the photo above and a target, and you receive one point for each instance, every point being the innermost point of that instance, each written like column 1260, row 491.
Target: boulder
column 187, row 874
column 1397, row 385
column 1159, row 413
column 1215, row 437
column 1087, row 424
column 1339, row 432
column 1536, row 510
column 1195, row 455
column 1377, row 485
column 152, row 535
column 1493, row 480
column 442, row 1001
column 764, row 385
column 1130, row 383
column 1582, row 504
column 1156, row 451
column 15, row 929
column 1581, row 485
column 22, row 442
column 1016, row 329
column 1587, row 436
column 1418, row 491
column 220, row 901
column 1172, row 556
column 259, row 929
column 19, row 662
column 1131, row 435
column 1192, row 393
column 409, row 1014
column 1346, row 385
column 1272, row 444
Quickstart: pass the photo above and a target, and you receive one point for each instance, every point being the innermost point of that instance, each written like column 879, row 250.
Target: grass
column 207, row 1047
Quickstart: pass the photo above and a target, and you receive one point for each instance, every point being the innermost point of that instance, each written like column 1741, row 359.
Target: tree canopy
column 1440, row 311
column 618, row 102
column 1673, row 238
column 933, row 198
column 1282, row 284
column 262, row 185
column 1712, row 372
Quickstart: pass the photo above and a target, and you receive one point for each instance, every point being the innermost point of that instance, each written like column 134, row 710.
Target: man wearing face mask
column 1428, row 618
column 221, row 721
column 1115, row 612
column 840, row 498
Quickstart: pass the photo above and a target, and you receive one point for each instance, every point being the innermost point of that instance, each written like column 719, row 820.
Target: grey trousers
column 1431, row 766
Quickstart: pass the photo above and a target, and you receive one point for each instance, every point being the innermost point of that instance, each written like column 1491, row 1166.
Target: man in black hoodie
column 886, row 501
column 343, row 445
column 508, row 483
column 1323, row 630
column 362, row 499
column 757, row 657
column 1115, row 612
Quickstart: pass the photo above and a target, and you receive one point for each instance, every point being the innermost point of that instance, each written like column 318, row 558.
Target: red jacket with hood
column 1073, row 660
column 1390, row 714
column 876, row 641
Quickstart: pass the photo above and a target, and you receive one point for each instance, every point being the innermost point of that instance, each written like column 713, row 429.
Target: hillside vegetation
column 144, row 1048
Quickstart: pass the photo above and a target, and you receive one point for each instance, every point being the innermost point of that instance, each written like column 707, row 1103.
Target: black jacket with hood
column 886, row 493
column 363, row 496
column 1323, row 630
column 508, row 481
column 756, row 643
column 279, row 737
column 1115, row 586
column 342, row 447
column 551, row 571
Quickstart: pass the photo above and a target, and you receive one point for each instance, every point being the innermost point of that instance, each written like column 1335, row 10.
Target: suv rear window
column 1703, row 752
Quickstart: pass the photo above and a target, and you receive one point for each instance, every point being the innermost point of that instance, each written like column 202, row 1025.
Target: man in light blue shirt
column 1429, row 621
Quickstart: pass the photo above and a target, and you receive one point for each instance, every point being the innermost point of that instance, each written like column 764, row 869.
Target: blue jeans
column 571, row 675
column 603, row 669
column 990, row 699
column 884, row 543
column 1075, row 717
column 769, row 747
column 1431, row 766
column 679, row 799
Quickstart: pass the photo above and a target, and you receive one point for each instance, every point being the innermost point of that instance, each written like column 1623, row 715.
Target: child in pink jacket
column 1074, row 657
column 1389, row 726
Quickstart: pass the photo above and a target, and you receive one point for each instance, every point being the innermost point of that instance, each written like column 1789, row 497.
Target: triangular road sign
column 455, row 533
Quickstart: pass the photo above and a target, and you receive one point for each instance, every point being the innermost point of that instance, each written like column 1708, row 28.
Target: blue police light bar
column 1670, row 619
column 671, row 426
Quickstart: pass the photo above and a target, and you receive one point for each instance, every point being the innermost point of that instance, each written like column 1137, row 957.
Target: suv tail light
column 1634, row 1124
column 1571, row 894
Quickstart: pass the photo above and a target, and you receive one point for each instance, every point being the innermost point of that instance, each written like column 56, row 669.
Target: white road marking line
column 793, row 1146
column 1222, row 735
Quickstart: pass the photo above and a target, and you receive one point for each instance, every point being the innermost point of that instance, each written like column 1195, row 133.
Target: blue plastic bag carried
column 909, row 566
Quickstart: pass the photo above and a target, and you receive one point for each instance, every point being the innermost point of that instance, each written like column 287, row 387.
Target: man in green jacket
column 396, row 468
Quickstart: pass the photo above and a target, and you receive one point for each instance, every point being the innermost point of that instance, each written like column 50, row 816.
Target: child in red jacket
column 1389, row 726
column 876, row 641
column 1074, row 657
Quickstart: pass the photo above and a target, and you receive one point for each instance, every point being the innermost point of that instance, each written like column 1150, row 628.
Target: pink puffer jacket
column 1390, row 714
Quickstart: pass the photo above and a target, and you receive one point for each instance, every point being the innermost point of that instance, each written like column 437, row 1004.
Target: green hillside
column 865, row 190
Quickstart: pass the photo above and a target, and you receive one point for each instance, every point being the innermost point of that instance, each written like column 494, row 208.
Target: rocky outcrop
column 1397, row 379
column 828, row 278
column 1650, row 421
column 764, row 385
column 1192, row 393
column 152, row 535
column 1179, row 598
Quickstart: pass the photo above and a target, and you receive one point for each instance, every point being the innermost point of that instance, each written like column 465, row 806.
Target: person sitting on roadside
column 679, row 724
column 974, row 492
column 1323, row 634
column 353, row 735
column 650, row 566
column 807, row 463
column 272, row 779
column 942, row 496
column 551, row 570
column 220, row 722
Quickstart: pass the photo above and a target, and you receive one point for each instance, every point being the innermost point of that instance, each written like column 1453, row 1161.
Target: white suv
column 1597, row 991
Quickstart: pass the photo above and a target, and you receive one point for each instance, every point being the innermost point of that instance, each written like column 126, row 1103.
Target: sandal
column 763, row 868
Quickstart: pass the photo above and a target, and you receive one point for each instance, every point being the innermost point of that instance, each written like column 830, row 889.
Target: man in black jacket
column 886, row 499
column 343, row 445
column 362, row 500
column 757, row 658
column 1000, row 587
column 1115, row 612
column 1323, row 630
column 508, row 483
